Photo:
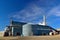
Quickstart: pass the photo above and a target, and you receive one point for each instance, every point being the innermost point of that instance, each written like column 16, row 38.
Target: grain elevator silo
column 44, row 21
column 27, row 30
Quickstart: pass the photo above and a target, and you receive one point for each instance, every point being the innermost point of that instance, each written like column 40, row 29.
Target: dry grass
column 10, row 38
column 55, row 37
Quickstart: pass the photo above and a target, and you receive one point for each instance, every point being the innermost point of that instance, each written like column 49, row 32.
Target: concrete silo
column 27, row 30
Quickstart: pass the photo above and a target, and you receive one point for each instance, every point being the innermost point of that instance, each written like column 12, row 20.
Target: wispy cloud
column 30, row 13
column 35, row 10
column 55, row 11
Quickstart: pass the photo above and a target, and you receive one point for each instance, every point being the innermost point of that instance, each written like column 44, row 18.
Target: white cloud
column 30, row 13
column 55, row 11
column 35, row 10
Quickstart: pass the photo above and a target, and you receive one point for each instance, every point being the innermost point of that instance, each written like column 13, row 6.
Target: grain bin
column 27, row 30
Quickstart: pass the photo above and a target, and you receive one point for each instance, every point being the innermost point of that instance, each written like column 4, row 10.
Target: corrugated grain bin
column 27, row 30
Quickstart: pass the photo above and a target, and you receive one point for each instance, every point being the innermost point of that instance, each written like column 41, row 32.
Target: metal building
column 24, row 29
column 28, row 29
column 15, row 28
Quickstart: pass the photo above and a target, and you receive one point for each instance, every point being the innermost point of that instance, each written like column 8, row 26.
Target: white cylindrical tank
column 27, row 30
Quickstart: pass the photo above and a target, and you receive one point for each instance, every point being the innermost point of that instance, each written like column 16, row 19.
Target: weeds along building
column 28, row 29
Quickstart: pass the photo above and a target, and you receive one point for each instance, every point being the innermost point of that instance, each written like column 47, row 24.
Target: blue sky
column 30, row 11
